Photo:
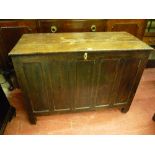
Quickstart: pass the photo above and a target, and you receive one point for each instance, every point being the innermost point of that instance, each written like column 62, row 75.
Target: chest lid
column 42, row 43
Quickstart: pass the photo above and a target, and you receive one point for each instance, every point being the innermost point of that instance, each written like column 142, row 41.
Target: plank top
column 42, row 43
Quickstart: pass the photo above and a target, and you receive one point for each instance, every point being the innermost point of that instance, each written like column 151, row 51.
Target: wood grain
column 138, row 121
column 63, row 78
column 75, row 42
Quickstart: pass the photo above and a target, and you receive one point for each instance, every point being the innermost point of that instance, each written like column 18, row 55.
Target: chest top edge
column 41, row 43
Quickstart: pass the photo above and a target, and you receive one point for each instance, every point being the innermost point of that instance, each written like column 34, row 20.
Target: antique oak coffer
column 70, row 72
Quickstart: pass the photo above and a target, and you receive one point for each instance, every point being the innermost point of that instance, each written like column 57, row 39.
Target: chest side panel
column 31, row 77
column 59, row 84
column 107, row 74
column 84, row 75
column 129, row 73
column 35, row 84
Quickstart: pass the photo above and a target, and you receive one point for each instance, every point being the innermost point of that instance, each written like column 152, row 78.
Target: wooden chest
column 71, row 72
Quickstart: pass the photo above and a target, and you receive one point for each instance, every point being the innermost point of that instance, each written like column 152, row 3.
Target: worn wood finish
column 73, row 42
column 12, row 30
column 88, row 72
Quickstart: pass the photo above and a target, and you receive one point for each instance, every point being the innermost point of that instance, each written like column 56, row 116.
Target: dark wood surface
column 12, row 30
column 55, row 80
column 45, row 26
column 135, row 27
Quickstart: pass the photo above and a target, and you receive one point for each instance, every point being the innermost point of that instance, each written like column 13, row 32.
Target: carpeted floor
column 108, row 121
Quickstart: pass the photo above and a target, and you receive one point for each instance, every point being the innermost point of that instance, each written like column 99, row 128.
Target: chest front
column 79, row 80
